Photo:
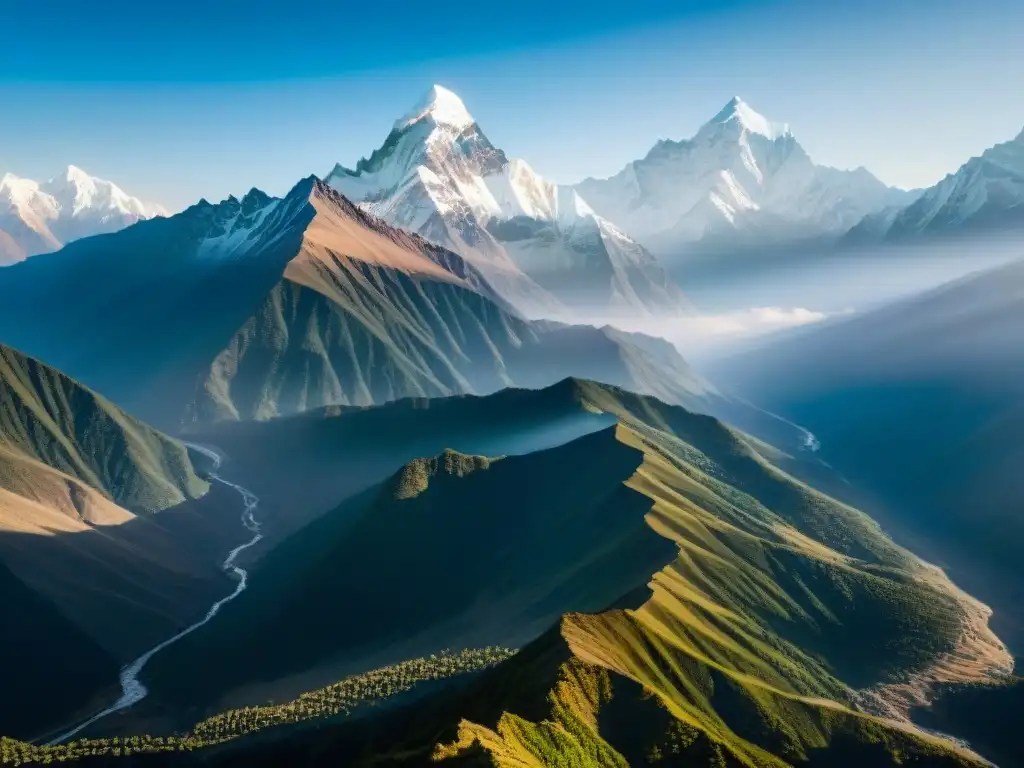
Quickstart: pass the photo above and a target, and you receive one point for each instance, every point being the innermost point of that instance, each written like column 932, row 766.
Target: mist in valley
column 742, row 302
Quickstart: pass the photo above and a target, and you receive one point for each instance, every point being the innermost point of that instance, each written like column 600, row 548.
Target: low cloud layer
column 705, row 335
column 753, row 321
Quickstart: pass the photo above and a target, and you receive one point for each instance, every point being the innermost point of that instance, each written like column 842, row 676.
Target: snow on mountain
column 540, row 245
column 986, row 192
column 741, row 181
column 42, row 217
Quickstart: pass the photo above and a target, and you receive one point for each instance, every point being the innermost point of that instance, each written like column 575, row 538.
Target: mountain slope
column 38, row 218
column 47, row 419
column 740, row 182
column 986, row 192
column 365, row 313
column 75, row 472
column 438, row 175
column 683, row 591
column 941, row 375
column 145, row 309
column 263, row 307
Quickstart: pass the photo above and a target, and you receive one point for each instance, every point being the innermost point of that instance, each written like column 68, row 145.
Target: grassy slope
column 751, row 636
column 46, row 417
column 776, row 607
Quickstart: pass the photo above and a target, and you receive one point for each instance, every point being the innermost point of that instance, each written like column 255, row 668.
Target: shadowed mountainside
column 51, row 668
column 76, row 473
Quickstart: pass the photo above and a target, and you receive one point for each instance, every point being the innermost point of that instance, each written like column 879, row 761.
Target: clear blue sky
column 177, row 101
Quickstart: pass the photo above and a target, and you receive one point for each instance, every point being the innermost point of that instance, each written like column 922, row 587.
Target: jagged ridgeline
column 694, row 605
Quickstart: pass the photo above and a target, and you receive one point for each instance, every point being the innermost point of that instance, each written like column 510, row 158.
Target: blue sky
column 184, row 100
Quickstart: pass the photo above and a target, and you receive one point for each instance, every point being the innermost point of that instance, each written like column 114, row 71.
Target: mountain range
column 42, row 217
column 539, row 244
column 424, row 516
column 742, row 181
column 985, row 193
column 675, row 590
column 261, row 307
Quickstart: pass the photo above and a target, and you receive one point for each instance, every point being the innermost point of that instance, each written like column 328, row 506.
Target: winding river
column 132, row 689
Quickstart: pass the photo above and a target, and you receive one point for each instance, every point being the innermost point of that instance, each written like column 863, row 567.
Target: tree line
column 339, row 698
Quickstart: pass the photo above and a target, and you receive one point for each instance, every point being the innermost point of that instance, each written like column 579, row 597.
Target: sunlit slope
column 777, row 625
column 922, row 404
column 47, row 418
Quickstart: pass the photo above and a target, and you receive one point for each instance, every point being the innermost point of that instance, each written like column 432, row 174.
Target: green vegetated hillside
column 921, row 403
column 681, row 600
column 71, row 465
column 47, row 418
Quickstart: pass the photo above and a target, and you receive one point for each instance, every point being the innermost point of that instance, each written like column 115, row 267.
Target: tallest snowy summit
column 440, row 105
column 738, row 112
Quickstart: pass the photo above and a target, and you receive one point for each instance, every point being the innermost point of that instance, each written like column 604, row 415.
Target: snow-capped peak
column 440, row 105
column 8, row 181
column 42, row 217
column 79, row 193
column 24, row 197
column 78, row 176
column 739, row 112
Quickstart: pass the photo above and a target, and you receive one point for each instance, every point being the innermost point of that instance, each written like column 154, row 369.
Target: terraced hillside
column 74, row 467
column 682, row 601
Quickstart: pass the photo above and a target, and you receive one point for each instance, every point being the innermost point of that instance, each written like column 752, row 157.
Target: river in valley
column 132, row 689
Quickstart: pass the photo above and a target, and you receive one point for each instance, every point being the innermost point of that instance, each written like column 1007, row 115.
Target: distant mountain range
column 741, row 182
column 985, row 193
column 539, row 244
column 42, row 217
column 420, row 464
